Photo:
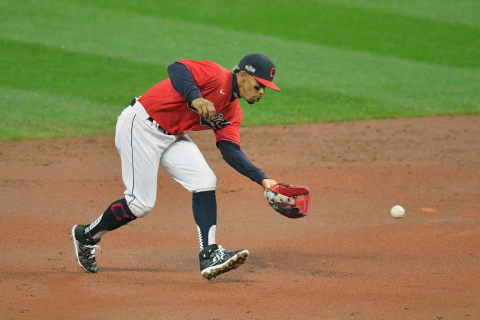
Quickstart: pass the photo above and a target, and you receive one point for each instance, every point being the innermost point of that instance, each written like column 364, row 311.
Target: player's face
column 250, row 89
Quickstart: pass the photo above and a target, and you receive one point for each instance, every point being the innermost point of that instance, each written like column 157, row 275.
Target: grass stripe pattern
column 69, row 67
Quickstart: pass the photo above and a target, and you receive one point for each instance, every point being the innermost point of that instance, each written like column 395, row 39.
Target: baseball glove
column 289, row 200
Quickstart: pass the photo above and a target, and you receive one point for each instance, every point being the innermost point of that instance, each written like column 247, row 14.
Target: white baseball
column 397, row 212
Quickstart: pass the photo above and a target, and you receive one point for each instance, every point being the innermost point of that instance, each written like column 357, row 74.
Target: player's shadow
column 140, row 269
column 220, row 280
column 226, row 280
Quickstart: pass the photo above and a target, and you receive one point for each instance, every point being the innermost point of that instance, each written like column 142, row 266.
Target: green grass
column 69, row 67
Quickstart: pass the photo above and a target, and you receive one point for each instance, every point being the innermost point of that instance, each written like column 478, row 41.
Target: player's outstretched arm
column 234, row 156
column 289, row 200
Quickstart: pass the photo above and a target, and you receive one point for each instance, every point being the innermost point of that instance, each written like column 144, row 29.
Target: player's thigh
column 186, row 164
column 140, row 147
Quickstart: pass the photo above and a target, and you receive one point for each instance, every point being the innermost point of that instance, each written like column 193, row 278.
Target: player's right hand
column 204, row 108
column 268, row 183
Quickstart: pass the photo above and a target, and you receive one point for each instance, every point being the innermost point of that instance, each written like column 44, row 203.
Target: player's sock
column 204, row 206
column 116, row 215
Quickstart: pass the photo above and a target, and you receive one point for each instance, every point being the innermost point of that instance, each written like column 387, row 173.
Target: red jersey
column 170, row 110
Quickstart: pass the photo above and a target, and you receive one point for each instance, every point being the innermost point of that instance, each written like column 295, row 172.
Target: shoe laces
column 92, row 248
column 219, row 253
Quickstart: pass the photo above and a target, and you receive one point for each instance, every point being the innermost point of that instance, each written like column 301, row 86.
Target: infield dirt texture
column 347, row 260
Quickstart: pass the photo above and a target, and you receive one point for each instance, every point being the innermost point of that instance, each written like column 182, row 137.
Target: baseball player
column 152, row 132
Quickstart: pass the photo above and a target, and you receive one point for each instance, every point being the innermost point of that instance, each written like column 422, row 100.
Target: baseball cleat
column 214, row 260
column 85, row 253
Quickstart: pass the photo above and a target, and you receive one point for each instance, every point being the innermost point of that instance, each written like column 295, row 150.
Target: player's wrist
column 194, row 95
column 268, row 183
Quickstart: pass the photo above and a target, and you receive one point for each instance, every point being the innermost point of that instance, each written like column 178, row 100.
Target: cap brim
column 267, row 83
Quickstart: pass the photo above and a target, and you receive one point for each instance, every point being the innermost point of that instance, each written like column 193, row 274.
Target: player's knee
column 140, row 209
column 209, row 183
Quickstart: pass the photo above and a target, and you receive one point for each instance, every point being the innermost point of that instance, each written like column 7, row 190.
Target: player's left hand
column 204, row 107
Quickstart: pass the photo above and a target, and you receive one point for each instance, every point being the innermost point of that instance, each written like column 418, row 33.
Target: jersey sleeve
column 182, row 81
column 231, row 132
column 204, row 73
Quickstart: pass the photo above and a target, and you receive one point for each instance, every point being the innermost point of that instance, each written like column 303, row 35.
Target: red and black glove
column 289, row 200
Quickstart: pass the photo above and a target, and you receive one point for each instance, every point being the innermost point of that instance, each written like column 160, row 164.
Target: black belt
column 151, row 120
column 159, row 128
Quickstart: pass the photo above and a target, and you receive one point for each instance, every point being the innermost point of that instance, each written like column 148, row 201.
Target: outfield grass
column 69, row 67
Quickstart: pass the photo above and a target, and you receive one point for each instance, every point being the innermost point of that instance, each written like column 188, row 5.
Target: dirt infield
column 347, row 260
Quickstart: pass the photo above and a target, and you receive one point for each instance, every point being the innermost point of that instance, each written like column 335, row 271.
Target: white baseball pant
column 143, row 148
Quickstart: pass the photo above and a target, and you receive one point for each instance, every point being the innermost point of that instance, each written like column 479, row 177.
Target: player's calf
column 86, row 237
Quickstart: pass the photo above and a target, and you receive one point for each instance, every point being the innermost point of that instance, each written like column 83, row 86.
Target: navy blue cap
column 261, row 68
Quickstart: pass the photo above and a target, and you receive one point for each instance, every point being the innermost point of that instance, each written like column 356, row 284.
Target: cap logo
column 272, row 72
column 249, row 68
